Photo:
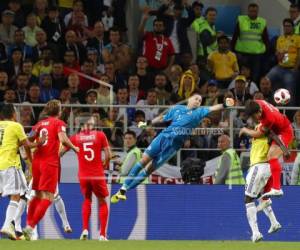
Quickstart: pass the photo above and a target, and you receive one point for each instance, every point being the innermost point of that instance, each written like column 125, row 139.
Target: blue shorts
column 162, row 149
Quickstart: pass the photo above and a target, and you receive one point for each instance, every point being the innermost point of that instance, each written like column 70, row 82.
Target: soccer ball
column 282, row 96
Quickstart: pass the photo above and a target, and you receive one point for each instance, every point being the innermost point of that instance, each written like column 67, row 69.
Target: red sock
column 268, row 187
column 276, row 173
column 31, row 209
column 103, row 216
column 86, row 212
column 40, row 211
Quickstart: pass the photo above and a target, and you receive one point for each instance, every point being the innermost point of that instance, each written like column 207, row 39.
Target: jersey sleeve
column 169, row 115
column 202, row 112
column 61, row 127
column 20, row 132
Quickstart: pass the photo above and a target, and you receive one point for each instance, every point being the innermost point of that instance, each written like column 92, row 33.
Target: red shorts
column 89, row 186
column 44, row 176
column 286, row 136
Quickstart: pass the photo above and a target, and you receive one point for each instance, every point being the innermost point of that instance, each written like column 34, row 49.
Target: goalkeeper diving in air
column 183, row 118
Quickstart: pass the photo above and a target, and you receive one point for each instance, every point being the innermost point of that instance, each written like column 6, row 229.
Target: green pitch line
column 145, row 245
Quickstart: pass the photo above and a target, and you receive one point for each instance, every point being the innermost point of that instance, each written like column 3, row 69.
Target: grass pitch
column 146, row 245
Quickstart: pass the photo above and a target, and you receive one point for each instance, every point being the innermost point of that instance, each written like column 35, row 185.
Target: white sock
column 10, row 213
column 252, row 217
column 61, row 209
column 35, row 234
column 18, row 215
column 270, row 214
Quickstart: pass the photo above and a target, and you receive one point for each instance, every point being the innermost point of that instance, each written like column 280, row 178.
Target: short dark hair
column 288, row 20
column 139, row 112
column 251, row 108
column 114, row 29
column 253, row 5
column 8, row 111
column 194, row 4
column 210, row 9
column 295, row 6
column 223, row 37
column 158, row 19
column 130, row 132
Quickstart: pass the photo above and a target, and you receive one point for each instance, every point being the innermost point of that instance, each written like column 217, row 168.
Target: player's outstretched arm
column 229, row 102
column 251, row 132
column 63, row 138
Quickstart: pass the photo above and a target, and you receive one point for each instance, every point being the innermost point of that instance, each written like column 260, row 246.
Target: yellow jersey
column 288, row 46
column 224, row 65
column 11, row 133
column 259, row 150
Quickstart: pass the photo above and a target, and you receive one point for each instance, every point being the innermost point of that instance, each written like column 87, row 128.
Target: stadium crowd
column 43, row 44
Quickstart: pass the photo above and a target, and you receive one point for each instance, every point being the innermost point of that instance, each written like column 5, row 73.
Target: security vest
column 138, row 155
column 199, row 25
column 235, row 174
column 250, row 38
column 297, row 28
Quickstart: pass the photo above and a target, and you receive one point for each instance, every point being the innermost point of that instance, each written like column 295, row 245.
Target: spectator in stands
column 187, row 85
column 40, row 9
column 79, row 27
column 213, row 95
column 117, row 52
column 119, row 7
column 197, row 8
column 240, row 92
column 296, row 126
column 73, row 83
column 174, row 76
column 223, row 63
column 115, row 78
column 3, row 84
column 139, row 116
column 19, row 16
column 286, row 73
column 229, row 170
column 22, row 82
column 157, row 47
column 3, row 55
column 176, row 27
column 122, row 99
column 265, row 86
column 91, row 99
column 207, row 35
column 14, row 65
column 27, row 68
column 31, row 29
column 250, row 40
column 258, row 96
column 108, row 21
column 151, row 99
column 26, row 117
column 7, row 29
column 19, row 42
column 92, row 54
column 9, row 96
column 294, row 12
column 71, row 43
column 97, row 41
column 200, row 78
column 146, row 77
column 103, row 96
column 47, row 91
column 41, row 38
column 34, row 97
column 113, row 128
column 65, row 96
column 88, row 68
column 54, row 26
column 134, row 93
column 250, row 85
column 70, row 62
column 160, row 82
column 59, row 81
column 77, row 7
column 45, row 63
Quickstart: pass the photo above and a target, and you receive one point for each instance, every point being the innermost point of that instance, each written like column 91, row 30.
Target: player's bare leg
column 8, row 229
column 274, row 154
column 137, row 175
